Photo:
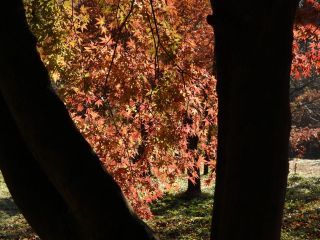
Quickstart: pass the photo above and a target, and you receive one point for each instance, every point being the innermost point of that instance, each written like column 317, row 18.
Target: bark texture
column 36, row 197
column 253, row 42
column 87, row 192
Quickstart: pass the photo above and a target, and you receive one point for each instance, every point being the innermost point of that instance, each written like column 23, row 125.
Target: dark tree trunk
column 35, row 196
column 194, row 188
column 89, row 194
column 206, row 167
column 253, row 56
column 207, row 157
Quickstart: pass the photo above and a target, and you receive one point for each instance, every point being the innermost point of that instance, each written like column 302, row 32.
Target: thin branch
column 116, row 45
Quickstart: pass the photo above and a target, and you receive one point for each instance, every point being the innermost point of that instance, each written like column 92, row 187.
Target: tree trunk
column 206, row 167
column 92, row 197
column 253, row 56
column 207, row 157
column 35, row 196
column 194, row 188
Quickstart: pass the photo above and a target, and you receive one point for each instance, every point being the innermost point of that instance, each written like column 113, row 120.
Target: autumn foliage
column 132, row 71
column 305, row 86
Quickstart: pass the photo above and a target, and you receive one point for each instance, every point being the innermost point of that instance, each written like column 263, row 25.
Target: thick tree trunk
column 253, row 56
column 35, row 196
column 93, row 199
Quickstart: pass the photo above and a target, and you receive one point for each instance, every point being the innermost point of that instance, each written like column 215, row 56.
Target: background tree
column 305, row 82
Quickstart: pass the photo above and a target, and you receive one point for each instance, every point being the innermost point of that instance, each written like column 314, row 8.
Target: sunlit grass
column 177, row 217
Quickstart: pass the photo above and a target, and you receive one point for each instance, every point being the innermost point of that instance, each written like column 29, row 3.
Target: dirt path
column 305, row 167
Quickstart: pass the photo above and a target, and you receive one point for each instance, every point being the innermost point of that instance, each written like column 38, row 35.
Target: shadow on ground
column 177, row 217
column 181, row 217
column 302, row 211
column 8, row 207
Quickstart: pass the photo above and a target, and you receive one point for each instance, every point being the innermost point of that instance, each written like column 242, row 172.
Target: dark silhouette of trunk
column 86, row 197
column 211, row 126
column 253, row 42
column 194, row 189
column 206, row 166
column 207, row 157
column 35, row 196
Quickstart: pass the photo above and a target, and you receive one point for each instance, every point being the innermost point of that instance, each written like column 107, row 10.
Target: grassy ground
column 302, row 211
column 12, row 223
column 177, row 217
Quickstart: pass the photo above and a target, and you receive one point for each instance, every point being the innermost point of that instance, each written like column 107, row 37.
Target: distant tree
column 194, row 180
column 305, row 82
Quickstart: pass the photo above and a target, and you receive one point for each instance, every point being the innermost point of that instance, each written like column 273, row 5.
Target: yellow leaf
column 100, row 21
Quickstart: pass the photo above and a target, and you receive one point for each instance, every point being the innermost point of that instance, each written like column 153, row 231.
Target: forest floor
column 179, row 218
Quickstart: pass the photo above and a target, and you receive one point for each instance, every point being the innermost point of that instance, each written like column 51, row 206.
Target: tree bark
column 206, row 166
column 253, row 42
column 36, row 197
column 94, row 199
column 194, row 188
column 207, row 157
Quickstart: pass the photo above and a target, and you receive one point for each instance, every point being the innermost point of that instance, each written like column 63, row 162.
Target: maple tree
column 129, row 72
column 305, row 86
